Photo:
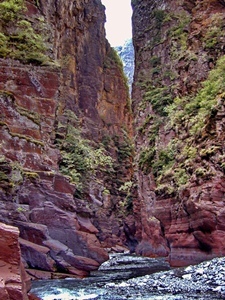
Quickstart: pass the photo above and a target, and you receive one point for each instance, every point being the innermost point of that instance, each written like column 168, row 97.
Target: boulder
column 14, row 282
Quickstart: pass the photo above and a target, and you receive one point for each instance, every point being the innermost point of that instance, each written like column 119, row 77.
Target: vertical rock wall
column 65, row 131
column 178, row 101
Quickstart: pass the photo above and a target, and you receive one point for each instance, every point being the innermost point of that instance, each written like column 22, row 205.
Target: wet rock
column 126, row 266
column 203, row 281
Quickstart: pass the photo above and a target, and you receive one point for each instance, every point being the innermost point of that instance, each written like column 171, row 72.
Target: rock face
column 12, row 273
column 179, row 119
column 66, row 155
column 65, row 132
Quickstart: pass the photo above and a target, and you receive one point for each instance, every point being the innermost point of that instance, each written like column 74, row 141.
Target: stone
column 14, row 283
column 39, row 104
column 37, row 256
column 188, row 217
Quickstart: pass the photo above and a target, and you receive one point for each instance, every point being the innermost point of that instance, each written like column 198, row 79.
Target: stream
column 132, row 277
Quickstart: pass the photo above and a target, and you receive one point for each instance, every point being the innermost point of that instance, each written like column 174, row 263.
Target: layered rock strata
column 178, row 96
column 65, row 131
column 14, row 281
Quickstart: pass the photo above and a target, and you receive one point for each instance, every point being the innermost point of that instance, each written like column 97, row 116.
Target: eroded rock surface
column 179, row 48
column 14, row 282
column 66, row 204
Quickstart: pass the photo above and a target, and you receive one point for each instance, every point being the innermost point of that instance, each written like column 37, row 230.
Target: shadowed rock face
column 80, row 86
column 180, row 177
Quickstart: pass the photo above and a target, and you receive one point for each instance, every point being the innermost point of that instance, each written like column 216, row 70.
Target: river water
column 138, row 278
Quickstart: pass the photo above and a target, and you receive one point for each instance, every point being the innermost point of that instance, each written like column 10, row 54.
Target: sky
column 118, row 21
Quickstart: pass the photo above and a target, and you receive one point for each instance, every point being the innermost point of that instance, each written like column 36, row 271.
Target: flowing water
column 137, row 278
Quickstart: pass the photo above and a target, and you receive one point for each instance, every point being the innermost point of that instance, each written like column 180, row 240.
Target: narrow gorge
column 86, row 169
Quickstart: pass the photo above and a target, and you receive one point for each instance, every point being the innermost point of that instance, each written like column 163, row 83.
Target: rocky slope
column 178, row 96
column 66, row 154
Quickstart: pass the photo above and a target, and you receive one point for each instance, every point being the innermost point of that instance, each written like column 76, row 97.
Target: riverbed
column 138, row 278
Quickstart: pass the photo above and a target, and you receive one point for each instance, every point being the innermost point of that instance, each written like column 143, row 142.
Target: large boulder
column 14, row 282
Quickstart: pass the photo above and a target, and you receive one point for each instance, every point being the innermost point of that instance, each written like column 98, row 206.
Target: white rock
column 200, row 271
column 187, row 276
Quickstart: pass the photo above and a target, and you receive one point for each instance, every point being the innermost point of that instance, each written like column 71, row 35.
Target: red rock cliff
column 178, row 96
column 12, row 273
column 66, row 153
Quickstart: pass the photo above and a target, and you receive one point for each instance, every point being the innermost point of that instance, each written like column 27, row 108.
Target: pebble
column 203, row 281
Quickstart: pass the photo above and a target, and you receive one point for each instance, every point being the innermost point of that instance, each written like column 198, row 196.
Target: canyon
column 84, row 169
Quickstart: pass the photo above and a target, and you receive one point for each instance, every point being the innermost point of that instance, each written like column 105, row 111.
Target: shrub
column 80, row 161
column 159, row 16
column 159, row 97
column 146, row 159
column 214, row 32
column 4, row 50
column 18, row 39
column 165, row 160
column 195, row 110
column 10, row 10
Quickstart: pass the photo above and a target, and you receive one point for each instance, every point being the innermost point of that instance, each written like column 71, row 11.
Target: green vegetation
column 191, row 117
column 12, row 174
column 32, row 115
column 151, row 129
column 117, row 178
column 159, row 15
column 214, row 33
column 195, row 111
column 28, row 139
column 30, row 175
column 208, row 152
column 81, row 160
column 124, row 147
column 10, row 9
column 112, row 58
column 146, row 158
column 159, row 97
column 127, row 203
column 173, row 165
column 178, row 35
column 18, row 39
column 164, row 160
